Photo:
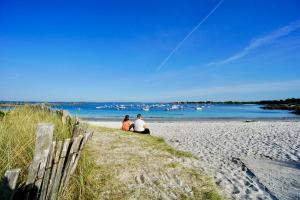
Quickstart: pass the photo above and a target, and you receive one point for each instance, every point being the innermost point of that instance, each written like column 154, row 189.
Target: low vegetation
column 125, row 165
column 291, row 101
column 295, row 101
column 1, row 114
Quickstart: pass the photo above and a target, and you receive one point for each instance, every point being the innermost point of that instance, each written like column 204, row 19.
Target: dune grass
column 17, row 136
column 125, row 165
column 159, row 143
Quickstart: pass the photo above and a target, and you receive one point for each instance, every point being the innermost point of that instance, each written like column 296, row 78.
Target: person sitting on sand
column 126, row 124
column 139, row 125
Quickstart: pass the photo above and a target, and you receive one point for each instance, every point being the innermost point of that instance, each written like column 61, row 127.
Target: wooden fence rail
column 52, row 166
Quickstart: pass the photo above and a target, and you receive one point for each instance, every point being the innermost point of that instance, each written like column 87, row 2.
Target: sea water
column 115, row 110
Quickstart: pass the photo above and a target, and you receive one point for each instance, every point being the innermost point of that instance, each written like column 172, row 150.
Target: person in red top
column 126, row 124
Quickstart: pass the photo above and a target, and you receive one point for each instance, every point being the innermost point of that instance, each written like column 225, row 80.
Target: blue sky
column 158, row 50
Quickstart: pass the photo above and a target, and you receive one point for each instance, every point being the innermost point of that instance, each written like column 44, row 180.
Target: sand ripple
column 217, row 143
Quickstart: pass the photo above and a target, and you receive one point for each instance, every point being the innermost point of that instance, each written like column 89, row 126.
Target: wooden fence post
column 48, row 170
column 37, row 168
column 65, row 117
column 58, row 175
column 72, row 155
column 86, row 136
column 54, row 169
column 77, row 130
column 9, row 182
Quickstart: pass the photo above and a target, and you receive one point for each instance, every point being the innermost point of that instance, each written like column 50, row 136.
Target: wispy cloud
column 187, row 36
column 278, row 86
column 258, row 42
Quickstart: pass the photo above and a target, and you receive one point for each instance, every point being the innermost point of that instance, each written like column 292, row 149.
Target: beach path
column 135, row 166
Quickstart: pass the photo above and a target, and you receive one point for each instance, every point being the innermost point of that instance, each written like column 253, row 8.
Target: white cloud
column 281, row 32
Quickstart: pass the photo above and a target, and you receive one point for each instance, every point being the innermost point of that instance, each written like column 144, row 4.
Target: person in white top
column 139, row 125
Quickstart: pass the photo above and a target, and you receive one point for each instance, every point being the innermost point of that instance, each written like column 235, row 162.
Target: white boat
column 99, row 107
column 175, row 107
column 121, row 107
column 199, row 108
column 145, row 108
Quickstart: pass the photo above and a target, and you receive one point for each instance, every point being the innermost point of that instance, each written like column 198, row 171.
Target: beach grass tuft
column 17, row 136
column 1, row 114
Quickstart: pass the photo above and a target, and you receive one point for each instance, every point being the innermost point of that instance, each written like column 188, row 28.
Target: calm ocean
column 111, row 110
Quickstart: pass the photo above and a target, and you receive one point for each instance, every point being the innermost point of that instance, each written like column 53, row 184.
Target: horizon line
column 29, row 101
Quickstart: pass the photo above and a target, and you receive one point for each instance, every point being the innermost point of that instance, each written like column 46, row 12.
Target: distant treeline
column 20, row 103
column 295, row 101
column 216, row 102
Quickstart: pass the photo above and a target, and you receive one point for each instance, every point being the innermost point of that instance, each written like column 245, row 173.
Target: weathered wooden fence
column 52, row 166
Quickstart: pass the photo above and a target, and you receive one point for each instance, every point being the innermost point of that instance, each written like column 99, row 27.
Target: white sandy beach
column 255, row 160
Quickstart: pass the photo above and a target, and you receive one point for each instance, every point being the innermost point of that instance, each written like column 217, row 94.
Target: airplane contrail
column 187, row 36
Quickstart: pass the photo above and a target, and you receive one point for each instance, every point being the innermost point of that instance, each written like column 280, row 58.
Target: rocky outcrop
column 294, row 108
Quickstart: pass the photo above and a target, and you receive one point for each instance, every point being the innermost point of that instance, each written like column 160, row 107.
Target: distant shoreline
column 73, row 103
